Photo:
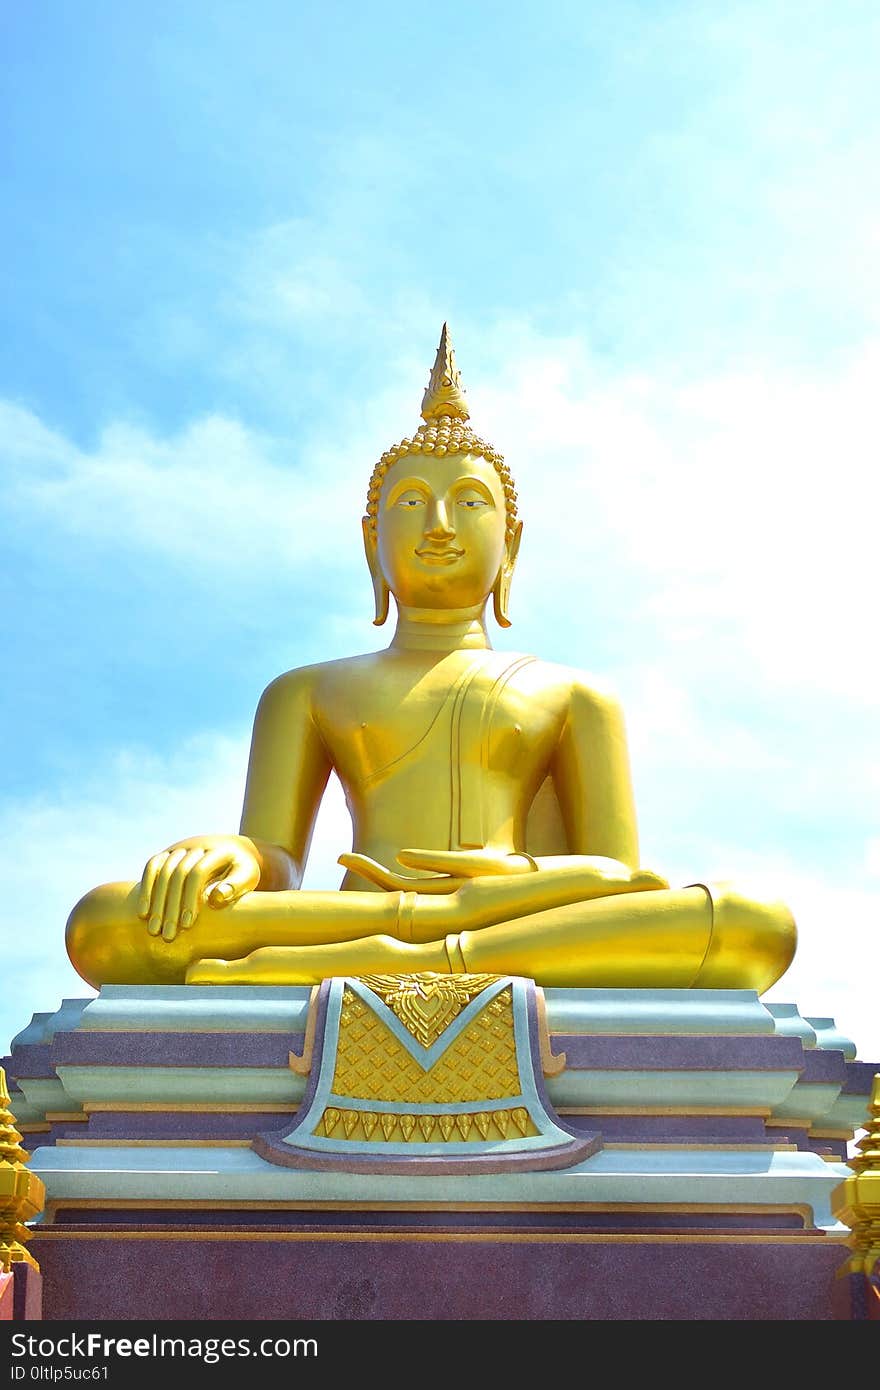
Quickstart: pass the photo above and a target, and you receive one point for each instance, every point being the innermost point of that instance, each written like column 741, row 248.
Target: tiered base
column 722, row 1126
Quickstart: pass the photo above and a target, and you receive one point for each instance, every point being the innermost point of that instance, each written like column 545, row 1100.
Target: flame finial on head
column 445, row 394
column 445, row 431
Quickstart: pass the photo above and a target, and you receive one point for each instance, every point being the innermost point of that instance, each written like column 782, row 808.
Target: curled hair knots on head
column 445, row 435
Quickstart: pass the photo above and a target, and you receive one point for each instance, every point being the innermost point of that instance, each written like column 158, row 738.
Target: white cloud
column 743, row 508
column 217, row 496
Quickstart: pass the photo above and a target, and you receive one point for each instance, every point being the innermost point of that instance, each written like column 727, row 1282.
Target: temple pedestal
column 697, row 1137
column 423, row 1273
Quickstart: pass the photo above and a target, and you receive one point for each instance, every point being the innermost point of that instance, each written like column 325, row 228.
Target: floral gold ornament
column 426, row 1003
column 453, row 1085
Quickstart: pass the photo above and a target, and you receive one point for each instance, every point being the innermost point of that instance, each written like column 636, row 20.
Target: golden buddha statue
column 507, row 775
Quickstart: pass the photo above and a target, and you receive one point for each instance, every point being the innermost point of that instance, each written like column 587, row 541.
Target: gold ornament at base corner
column 22, row 1194
column 856, row 1202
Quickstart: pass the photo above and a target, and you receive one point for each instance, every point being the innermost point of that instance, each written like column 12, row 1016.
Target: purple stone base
column 551, row 1221
column 259, row 1276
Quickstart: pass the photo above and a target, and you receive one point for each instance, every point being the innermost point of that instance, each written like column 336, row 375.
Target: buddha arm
column 592, row 778
column 287, row 773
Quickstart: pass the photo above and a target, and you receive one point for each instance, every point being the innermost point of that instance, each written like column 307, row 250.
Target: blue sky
column 230, row 235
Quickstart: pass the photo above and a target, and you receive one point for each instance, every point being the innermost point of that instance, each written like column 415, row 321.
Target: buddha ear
column 381, row 592
column 501, row 590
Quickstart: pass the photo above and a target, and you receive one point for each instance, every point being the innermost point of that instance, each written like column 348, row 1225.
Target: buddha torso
column 440, row 750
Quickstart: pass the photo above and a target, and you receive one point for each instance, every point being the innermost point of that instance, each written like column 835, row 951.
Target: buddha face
column 441, row 530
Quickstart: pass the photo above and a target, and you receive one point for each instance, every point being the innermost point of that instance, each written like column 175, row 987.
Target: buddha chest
column 466, row 740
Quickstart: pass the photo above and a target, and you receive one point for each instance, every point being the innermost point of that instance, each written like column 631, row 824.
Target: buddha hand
column 451, row 868
column 213, row 869
column 454, row 869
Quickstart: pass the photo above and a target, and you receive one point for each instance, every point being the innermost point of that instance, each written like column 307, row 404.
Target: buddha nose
column 438, row 521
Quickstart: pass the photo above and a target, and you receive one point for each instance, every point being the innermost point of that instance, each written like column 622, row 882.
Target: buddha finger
column 370, row 869
column 240, row 879
column 211, row 868
column 148, row 880
column 160, row 890
column 172, row 916
column 465, row 864
column 434, row 861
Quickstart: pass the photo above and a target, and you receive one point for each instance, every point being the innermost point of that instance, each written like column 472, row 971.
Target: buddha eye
column 472, row 502
column 411, row 500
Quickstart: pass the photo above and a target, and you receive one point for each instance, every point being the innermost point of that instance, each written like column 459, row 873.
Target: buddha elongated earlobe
column 501, row 597
column 381, row 595
column 501, row 588
column 381, row 592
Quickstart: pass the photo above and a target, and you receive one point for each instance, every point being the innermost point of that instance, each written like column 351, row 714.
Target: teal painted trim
column 828, row 1035
column 68, row 1017
column 807, row 1101
column 790, row 1024
column 234, row 1085
column 185, row 994
column 34, row 1032
column 726, row 1179
column 547, row 1128
column 718, row 1090
column 661, row 1011
column 303, row 1136
column 848, row 1112
column 198, row 1009
column 43, row 1027
column 684, row 1162
column 44, row 1094
column 25, row 1113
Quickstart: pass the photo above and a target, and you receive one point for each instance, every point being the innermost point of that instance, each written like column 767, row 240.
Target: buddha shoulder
column 381, row 686
column 588, row 694
column 578, row 694
column 304, row 690
column 568, row 705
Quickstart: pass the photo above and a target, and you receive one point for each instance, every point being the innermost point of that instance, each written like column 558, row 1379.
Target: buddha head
column 441, row 529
